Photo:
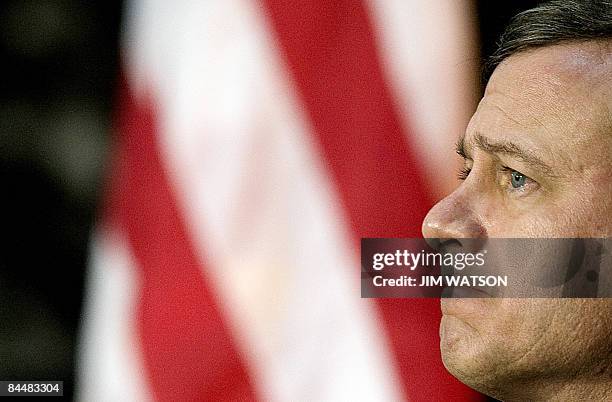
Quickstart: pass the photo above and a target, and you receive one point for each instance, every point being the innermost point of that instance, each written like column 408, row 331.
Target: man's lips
column 467, row 309
column 462, row 292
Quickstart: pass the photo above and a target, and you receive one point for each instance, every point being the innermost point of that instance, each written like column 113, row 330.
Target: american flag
column 257, row 142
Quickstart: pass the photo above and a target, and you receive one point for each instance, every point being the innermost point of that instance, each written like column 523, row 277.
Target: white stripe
column 259, row 204
column 429, row 51
column 109, row 365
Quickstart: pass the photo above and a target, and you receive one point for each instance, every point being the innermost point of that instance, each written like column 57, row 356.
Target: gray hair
column 551, row 23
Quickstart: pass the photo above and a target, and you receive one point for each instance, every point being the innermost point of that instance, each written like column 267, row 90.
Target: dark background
column 58, row 73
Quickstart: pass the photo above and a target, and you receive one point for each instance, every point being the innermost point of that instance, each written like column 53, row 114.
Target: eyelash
column 463, row 173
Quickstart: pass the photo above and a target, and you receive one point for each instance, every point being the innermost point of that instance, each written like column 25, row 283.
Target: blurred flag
column 258, row 142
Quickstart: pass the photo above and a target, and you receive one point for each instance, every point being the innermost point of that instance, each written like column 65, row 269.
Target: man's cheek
column 582, row 214
column 523, row 226
column 545, row 219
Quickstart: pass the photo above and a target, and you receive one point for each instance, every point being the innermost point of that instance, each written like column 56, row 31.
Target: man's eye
column 517, row 179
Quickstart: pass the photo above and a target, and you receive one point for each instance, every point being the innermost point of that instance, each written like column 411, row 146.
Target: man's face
column 538, row 163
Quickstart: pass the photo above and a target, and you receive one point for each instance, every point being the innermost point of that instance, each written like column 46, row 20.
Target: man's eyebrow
column 506, row 148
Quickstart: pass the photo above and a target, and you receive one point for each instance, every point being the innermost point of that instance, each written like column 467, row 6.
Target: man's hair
column 551, row 23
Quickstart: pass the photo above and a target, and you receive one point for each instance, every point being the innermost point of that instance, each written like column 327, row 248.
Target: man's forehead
column 555, row 100
column 568, row 66
column 561, row 88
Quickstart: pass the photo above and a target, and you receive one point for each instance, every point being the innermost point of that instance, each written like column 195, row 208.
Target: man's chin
column 463, row 351
column 456, row 340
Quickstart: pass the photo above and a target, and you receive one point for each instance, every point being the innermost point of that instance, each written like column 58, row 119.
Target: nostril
column 448, row 244
column 465, row 244
column 434, row 243
column 442, row 245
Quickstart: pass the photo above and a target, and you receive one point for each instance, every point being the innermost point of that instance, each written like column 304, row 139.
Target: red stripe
column 329, row 48
column 188, row 352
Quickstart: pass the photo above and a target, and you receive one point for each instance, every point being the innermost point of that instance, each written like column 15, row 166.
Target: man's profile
column 538, row 163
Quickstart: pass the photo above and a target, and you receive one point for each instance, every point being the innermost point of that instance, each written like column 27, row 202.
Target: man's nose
column 454, row 218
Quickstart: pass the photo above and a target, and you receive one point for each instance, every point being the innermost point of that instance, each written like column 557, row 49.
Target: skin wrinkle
column 516, row 100
column 536, row 344
column 576, row 77
column 553, row 103
column 557, row 112
column 506, row 147
column 475, row 329
column 518, row 123
column 533, row 116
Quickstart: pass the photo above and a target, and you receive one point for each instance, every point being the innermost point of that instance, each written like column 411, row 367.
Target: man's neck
column 578, row 390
